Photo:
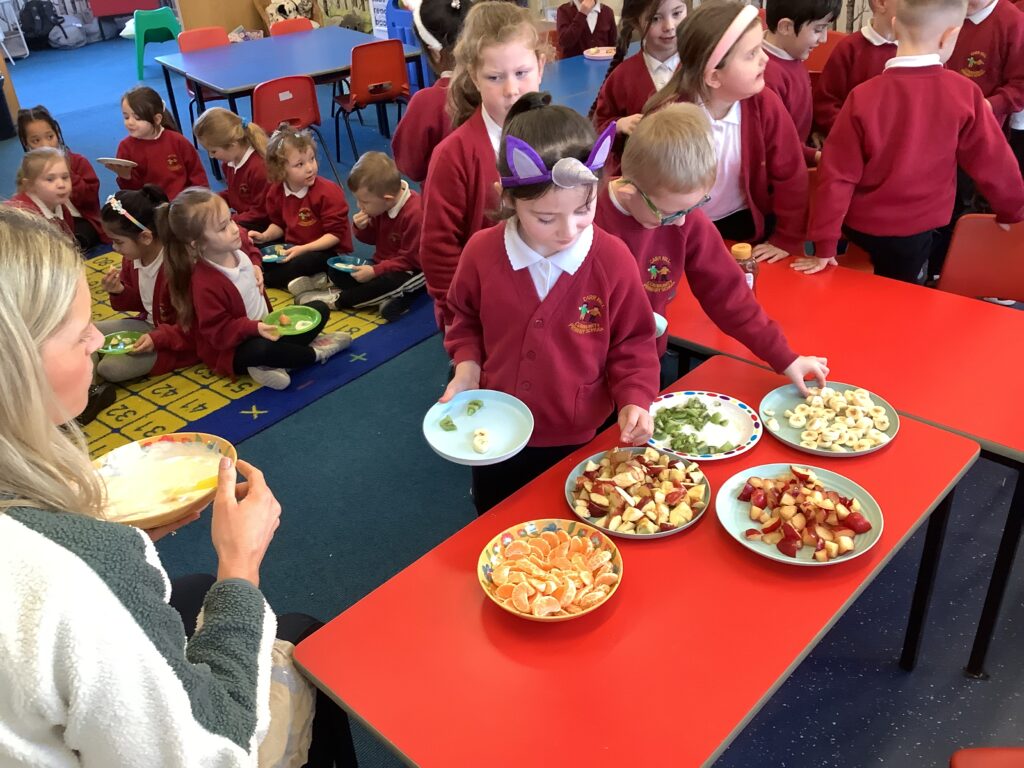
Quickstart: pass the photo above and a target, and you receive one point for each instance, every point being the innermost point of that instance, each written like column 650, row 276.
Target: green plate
column 778, row 401
column 120, row 343
column 302, row 319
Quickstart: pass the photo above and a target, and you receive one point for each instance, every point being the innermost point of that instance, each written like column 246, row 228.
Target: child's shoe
column 395, row 307
column 327, row 345
column 274, row 378
column 302, row 285
column 327, row 296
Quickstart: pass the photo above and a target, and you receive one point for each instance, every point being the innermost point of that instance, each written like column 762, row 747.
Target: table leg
column 170, row 94
column 419, row 72
column 933, row 538
column 997, row 584
column 232, row 103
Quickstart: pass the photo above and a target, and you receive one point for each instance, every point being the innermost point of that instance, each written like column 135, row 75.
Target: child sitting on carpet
column 216, row 291
column 306, row 210
column 44, row 187
column 390, row 218
column 140, row 286
column 38, row 128
column 241, row 146
column 162, row 155
column 548, row 307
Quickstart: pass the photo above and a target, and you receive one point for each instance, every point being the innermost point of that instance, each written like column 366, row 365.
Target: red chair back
column 988, row 757
column 288, row 26
column 289, row 100
column 378, row 72
column 816, row 61
column 983, row 260
column 201, row 38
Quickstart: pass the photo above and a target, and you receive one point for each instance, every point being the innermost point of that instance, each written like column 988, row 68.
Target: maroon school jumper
column 170, row 162
column 425, row 125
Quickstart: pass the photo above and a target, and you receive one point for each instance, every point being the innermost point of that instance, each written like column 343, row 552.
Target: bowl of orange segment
column 550, row 570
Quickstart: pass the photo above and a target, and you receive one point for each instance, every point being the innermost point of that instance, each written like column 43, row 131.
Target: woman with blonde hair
column 97, row 667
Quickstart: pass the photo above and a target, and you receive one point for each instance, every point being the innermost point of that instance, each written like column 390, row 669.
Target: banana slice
column 481, row 440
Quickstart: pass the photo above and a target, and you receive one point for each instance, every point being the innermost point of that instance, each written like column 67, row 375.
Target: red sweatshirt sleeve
column 407, row 256
column 84, row 183
column 195, row 174
column 832, row 88
column 334, row 217
column 138, row 174
column 787, row 177
column 464, row 339
column 368, row 234
column 171, row 337
column 128, row 300
column 214, row 321
column 721, row 289
column 572, row 29
column 840, row 170
column 1008, row 98
column 986, row 157
column 275, row 205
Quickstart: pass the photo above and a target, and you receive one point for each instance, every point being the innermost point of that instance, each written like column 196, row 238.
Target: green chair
column 153, row 27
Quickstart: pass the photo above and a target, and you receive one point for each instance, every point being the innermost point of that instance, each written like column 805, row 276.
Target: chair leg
column 351, row 136
column 327, row 154
column 140, row 51
column 192, row 122
column 337, row 136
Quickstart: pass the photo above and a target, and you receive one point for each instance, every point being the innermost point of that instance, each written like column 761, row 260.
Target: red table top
column 931, row 354
column 700, row 633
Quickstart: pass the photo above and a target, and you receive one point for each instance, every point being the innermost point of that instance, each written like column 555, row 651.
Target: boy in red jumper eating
column 888, row 172
column 546, row 306
column 389, row 218
column 795, row 28
column 855, row 59
column 670, row 165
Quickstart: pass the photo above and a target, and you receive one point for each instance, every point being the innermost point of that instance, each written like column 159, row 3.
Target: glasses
column 664, row 220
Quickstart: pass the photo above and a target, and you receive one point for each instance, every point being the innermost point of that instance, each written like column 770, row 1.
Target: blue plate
column 274, row 253
column 346, row 263
column 506, row 418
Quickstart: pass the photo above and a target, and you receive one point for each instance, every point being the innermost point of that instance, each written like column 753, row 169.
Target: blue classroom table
column 324, row 54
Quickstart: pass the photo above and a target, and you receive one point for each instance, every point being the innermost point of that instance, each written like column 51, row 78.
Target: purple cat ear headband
column 528, row 168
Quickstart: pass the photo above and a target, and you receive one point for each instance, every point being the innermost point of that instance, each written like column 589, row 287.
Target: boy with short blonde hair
column 887, row 177
column 856, row 59
column 669, row 166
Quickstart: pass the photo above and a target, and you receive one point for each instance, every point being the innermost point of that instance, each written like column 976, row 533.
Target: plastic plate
column 120, row 343
column 743, row 431
column 300, row 319
column 506, row 418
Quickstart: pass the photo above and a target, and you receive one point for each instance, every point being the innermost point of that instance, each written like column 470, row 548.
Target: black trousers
column 901, row 258
column 496, row 482
column 1017, row 145
column 739, row 226
column 279, row 274
column 85, row 235
column 286, row 352
column 356, row 295
column 332, row 736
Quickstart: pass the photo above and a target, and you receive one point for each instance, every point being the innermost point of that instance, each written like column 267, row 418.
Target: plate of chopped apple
column 799, row 515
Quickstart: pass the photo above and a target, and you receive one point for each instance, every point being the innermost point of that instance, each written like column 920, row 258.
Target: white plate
column 734, row 515
column 570, row 486
column 788, row 397
column 117, row 161
column 507, row 418
column 660, row 325
column 744, row 428
column 603, row 53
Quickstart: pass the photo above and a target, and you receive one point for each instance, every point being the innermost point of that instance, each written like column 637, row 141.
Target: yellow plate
column 159, row 480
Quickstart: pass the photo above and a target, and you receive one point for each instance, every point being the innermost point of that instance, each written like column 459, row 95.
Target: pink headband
column 735, row 31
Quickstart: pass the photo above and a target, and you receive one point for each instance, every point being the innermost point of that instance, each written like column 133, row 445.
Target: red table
column 923, row 350
column 448, row 679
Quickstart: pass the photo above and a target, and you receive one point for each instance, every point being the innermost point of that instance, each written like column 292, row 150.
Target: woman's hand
column 635, row 425
column 467, row 376
column 244, row 521
column 626, row 125
column 142, row 345
column 768, row 252
column 803, row 366
column 111, row 280
column 268, row 332
column 158, row 533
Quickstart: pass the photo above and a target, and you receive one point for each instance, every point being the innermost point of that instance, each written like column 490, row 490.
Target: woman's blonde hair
column 42, row 465
column 672, row 151
column 34, row 164
column 697, row 36
column 493, row 22
column 181, row 225
column 220, row 128
column 285, row 138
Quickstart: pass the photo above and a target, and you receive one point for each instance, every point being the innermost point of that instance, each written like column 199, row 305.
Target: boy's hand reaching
column 809, row 265
column 804, row 366
column 467, row 376
column 360, row 219
column 768, row 252
column 636, row 425
column 363, row 273
column 111, row 281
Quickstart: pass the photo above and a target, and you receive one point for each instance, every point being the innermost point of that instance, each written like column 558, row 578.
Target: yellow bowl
column 159, row 480
column 493, row 556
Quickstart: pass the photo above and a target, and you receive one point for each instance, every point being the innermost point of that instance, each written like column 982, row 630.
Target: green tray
column 120, row 343
column 299, row 316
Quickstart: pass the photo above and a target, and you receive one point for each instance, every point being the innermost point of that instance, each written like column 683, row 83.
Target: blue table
column 324, row 54
column 574, row 82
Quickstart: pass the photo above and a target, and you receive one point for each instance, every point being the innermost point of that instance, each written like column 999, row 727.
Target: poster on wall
column 380, row 22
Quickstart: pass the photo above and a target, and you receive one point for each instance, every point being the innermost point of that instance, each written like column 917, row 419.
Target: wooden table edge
column 841, row 611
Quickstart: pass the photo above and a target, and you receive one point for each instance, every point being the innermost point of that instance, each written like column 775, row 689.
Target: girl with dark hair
column 546, row 306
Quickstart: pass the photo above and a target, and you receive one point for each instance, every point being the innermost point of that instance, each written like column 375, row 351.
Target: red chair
column 378, row 76
column 289, row 100
column 984, row 260
column 200, row 39
column 988, row 757
column 288, row 26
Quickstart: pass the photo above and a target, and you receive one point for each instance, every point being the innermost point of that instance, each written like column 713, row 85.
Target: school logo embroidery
column 243, row 189
column 395, row 239
column 658, row 270
column 591, row 312
column 306, row 217
column 173, row 162
column 976, row 62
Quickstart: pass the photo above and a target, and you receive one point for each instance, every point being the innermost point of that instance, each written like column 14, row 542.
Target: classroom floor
column 363, row 496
